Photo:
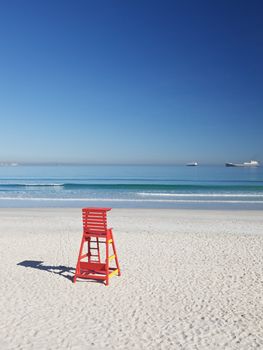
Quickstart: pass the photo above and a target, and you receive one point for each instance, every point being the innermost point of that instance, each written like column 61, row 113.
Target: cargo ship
column 252, row 163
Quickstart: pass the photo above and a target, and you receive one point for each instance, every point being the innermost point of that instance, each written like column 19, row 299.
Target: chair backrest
column 95, row 220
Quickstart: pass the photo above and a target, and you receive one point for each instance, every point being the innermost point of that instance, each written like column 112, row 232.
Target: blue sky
column 131, row 81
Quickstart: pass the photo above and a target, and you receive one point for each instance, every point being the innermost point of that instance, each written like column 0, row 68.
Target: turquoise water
column 132, row 186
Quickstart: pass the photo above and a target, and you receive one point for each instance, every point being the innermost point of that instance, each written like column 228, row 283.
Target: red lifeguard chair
column 95, row 263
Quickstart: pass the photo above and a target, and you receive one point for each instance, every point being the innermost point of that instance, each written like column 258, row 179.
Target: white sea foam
column 154, row 194
column 28, row 184
column 41, row 185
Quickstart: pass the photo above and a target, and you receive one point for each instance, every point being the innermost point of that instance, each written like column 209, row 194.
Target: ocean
column 205, row 187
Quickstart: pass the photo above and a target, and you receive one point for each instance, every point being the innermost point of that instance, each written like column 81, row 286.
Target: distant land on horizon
column 17, row 164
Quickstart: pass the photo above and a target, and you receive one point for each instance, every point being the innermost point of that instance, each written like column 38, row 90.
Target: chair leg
column 77, row 270
column 107, row 260
column 115, row 253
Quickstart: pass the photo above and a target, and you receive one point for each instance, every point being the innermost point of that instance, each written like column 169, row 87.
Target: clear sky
column 131, row 81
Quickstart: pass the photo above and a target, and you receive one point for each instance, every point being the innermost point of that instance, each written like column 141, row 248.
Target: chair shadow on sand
column 64, row 271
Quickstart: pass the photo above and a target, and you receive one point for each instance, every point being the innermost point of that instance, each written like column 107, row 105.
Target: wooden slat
column 93, row 229
column 94, row 219
column 89, row 222
column 88, row 217
column 96, row 228
column 95, row 223
column 95, row 234
column 96, row 277
column 95, row 215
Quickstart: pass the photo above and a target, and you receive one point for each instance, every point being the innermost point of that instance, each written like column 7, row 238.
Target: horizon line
column 16, row 164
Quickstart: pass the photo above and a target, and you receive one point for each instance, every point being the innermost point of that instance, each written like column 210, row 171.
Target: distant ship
column 252, row 163
column 192, row 164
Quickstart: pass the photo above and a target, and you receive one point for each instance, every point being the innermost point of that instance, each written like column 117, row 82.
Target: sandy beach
column 191, row 279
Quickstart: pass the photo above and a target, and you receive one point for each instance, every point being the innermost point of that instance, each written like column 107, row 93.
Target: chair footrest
column 94, row 270
column 91, row 276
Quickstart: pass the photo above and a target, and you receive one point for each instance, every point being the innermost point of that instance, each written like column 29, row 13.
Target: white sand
column 190, row 280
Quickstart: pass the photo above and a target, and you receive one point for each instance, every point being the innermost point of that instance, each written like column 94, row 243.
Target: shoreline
column 166, row 206
column 208, row 210
column 212, row 211
column 191, row 279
